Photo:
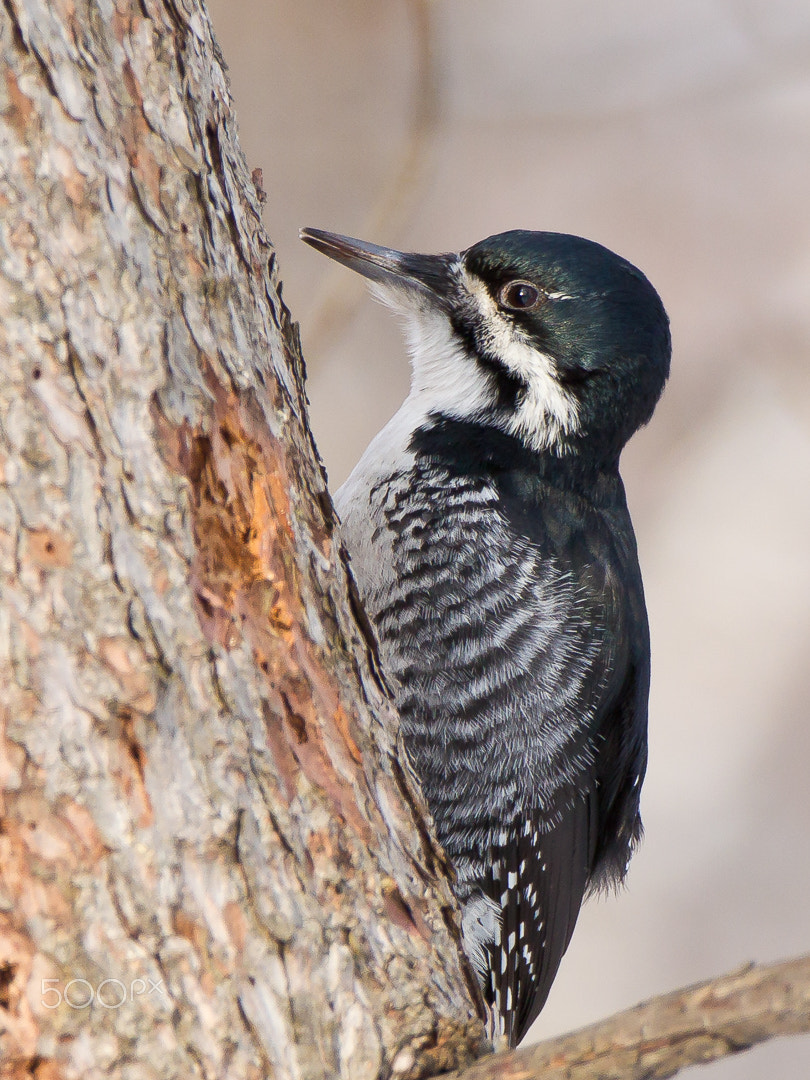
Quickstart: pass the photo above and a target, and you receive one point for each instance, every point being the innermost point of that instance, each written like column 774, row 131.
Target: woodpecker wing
column 539, row 879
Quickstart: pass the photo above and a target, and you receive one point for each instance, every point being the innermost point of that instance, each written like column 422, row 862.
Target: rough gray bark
column 207, row 837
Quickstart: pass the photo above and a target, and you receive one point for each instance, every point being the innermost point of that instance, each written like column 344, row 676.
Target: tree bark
column 213, row 860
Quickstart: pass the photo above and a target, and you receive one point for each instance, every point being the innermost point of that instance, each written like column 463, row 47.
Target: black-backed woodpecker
column 490, row 539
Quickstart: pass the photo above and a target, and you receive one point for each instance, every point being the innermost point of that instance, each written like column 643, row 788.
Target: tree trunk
column 214, row 862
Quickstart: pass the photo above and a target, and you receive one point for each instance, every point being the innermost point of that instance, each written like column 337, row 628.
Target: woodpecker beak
column 398, row 270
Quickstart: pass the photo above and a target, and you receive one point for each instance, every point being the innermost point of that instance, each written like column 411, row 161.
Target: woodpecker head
column 548, row 337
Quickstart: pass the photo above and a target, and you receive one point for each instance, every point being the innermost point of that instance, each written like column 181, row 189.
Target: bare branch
column 659, row 1037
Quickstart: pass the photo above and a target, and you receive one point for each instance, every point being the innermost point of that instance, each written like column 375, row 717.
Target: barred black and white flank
column 492, row 546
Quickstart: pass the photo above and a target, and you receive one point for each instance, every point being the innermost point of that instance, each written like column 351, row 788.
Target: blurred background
column 678, row 134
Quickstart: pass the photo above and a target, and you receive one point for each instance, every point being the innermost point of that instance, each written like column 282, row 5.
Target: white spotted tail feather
column 540, row 878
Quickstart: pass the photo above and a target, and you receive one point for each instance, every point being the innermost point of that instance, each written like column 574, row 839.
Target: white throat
column 546, row 410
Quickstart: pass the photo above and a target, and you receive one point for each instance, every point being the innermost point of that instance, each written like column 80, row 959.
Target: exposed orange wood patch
column 187, row 928
column 235, row 921
column 136, row 683
column 246, row 583
column 49, row 549
column 343, row 724
column 18, row 114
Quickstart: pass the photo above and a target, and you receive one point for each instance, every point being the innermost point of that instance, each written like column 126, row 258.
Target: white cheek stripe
column 547, row 410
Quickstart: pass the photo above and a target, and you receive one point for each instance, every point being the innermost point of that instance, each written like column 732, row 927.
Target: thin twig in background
column 658, row 1038
column 342, row 292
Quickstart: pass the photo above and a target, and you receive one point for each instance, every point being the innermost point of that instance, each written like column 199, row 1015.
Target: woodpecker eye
column 519, row 296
